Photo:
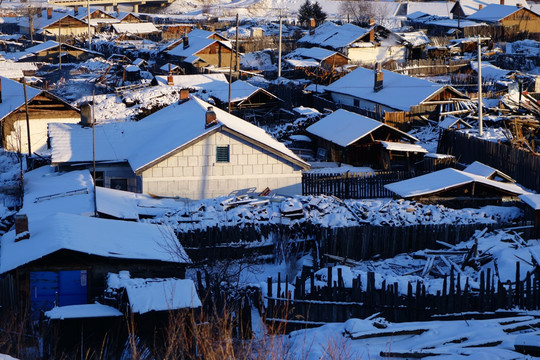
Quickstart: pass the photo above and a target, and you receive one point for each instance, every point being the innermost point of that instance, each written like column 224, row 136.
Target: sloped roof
column 13, row 96
column 415, row 38
column 493, row 13
column 196, row 81
column 51, row 44
column 399, row 91
column 240, row 91
column 403, row 147
column 122, row 141
column 117, row 203
column 147, row 295
column 438, row 8
column 471, row 7
column 316, row 53
column 169, row 66
column 334, row 36
column 451, row 120
column 196, row 44
column 484, row 170
column 135, row 28
column 303, row 63
column 344, row 128
column 93, row 236
column 447, row 179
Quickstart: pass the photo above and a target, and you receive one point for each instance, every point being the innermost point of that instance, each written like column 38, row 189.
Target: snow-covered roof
column 306, row 111
column 51, row 44
column 447, row 179
column 147, row 295
column 451, row 120
column 438, row 8
column 415, row 38
column 15, row 70
column 94, row 236
column 334, row 36
column 13, row 96
column 162, row 133
column 486, row 171
column 121, row 15
column 82, row 311
column 46, row 191
column 533, row 200
column 404, row 147
column 169, row 66
column 491, row 72
column 398, row 92
column 196, row 44
column 493, row 13
column 344, row 128
column 240, row 91
column 135, row 28
column 471, row 7
column 303, row 63
column 316, row 53
column 197, row 81
column 202, row 33
column 139, row 61
column 117, row 203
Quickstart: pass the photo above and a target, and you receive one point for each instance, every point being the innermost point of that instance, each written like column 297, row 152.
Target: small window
column 356, row 102
column 222, row 154
column 119, row 184
column 100, row 180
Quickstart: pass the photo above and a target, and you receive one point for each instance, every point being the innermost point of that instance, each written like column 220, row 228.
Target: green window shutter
column 222, row 154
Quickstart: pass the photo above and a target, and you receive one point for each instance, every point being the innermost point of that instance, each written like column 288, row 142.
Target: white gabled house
column 187, row 150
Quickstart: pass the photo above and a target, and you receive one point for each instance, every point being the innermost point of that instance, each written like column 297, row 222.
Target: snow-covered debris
column 82, row 311
column 147, row 295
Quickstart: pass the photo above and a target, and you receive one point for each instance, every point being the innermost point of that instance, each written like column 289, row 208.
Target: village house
column 191, row 150
column 51, row 23
column 99, row 19
column 197, row 52
column 360, row 45
column 315, row 57
column 382, row 91
column 48, row 52
column 43, row 108
column 145, row 30
column 517, row 19
column 457, row 188
column 350, row 138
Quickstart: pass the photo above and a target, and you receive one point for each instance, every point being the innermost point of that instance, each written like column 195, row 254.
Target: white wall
column 38, row 134
column 194, row 173
column 372, row 55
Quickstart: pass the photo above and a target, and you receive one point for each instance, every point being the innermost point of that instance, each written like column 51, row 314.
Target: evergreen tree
column 317, row 13
column 305, row 13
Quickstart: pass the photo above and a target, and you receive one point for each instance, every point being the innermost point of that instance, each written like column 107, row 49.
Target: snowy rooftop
column 438, row 8
column 451, row 120
column 533, row 200
column 82, row 311
column 316, row 53
column 196, row 44
column 446, row 179
column 334, row 36
column 486, row 171
column 13, row 96
column 399, row 91
column 46, row 192
column 197, row 82
column 493, row 13
column 415, row 38
column 240, row 91
column 491, row 72
column 303, row 63
column 121, row 141
column 344, row 128
column 135, row 28
column 147, row 295
column 404, row 147
column 117, row 203
column 94, row 236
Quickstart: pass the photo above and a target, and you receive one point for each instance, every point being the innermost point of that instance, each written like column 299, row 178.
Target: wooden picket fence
column 368, row 185
column 521, row 165
column 337, row 303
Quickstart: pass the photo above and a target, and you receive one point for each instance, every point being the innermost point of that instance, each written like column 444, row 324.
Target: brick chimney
column 170, row 79
column 502, row 2
column 184, row 96
column 311, row 26
column 480, row 6
column 21, row 227
column 49, row 13
column 86, row 115
column 519, row 5
column 211, row 117
column 186, row 42
column 76, row 10
column 378, row 80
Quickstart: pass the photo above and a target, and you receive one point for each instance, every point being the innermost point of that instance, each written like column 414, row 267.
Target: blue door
column 43, row 290
column 72, row 285
column 48, row 288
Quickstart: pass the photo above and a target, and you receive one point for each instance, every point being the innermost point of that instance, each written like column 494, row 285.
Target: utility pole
column 27, row 117
column 230, row 76
column 480, row 115
column 279, row 46
column 88, row 19
column 236, row 68
column 94, row 151
column 59, row 45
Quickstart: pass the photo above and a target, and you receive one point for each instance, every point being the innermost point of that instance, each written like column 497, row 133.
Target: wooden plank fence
column 337, row 303
column 368, row 185
column 427, row 67
column 521, row 165
column 360, row 242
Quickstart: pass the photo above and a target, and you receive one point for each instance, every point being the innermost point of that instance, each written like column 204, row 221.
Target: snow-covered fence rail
column 353, row 185
column 339, row 300
column 521, row 165
column 428, row 67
